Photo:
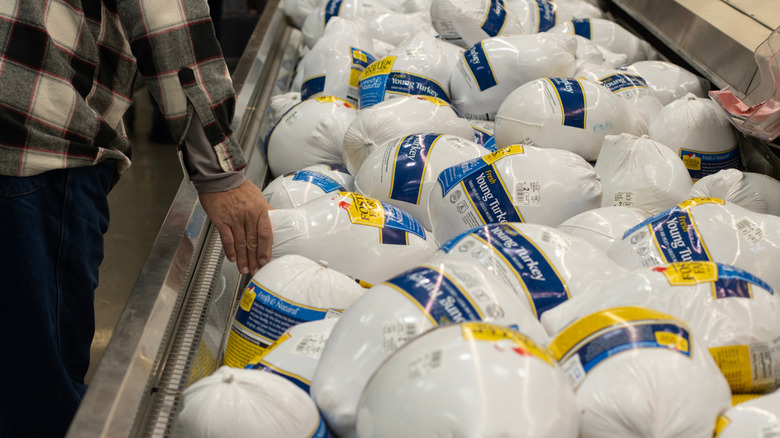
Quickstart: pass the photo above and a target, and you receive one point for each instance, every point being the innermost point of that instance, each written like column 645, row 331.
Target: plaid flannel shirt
column 67, row 70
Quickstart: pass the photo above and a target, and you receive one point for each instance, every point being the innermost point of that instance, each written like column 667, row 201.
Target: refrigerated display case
column 174, row 326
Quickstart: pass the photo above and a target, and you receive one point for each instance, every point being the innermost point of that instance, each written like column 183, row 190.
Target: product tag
column 425, row 364
column 750, row 230
column 397, row 332
column 527, row 194
column 623, row 199
column 311, row 345
column 751, row 368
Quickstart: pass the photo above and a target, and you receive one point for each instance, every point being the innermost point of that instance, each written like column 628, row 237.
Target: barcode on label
column 528, row 141
column 311, row 345
column 527, row 193
column 750, row 230
column 772, row 431
column 423, row 365
column 574, row 371
column 396, row 333
column 765, row 364
column 623, row 199
column 333, row 314
column 415, row 53
column 557, row 240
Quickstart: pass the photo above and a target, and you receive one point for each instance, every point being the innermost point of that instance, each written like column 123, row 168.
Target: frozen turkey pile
column 297, row 188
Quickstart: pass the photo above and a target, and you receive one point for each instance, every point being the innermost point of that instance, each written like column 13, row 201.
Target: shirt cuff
column 202, row 164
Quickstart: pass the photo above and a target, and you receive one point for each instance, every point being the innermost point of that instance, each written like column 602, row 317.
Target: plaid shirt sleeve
column 182, row 65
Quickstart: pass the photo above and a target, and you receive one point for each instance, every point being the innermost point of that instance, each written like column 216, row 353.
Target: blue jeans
column 51, row 246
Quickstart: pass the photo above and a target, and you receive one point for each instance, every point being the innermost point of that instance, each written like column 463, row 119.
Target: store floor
column 138, row 205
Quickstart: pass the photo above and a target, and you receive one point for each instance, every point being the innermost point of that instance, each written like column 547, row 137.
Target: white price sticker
column 750, row 230
column 557, row 240
column 527, row 194
column 574, row 371
column 311, row 345
column 396, row 333
column 623, row 199
column 425, row 364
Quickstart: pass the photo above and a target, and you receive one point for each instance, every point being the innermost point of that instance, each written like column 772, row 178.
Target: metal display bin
column 174, row 326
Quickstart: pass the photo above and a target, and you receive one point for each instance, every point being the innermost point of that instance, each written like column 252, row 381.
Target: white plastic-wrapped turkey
column 314, row 26
column 535, row 15
column 466, row 22
column 514, row 184
column 757, row 418
column 332, row 67
column 281, row 103
column 604, row 226
column 394, row 27
column 310, row 133
column 565, row 113
column 298, row 10
column 297, row 188
column 416, row 67
column 668, row 81
column 698, row 131
column 439, row 385
column 631, row 87
column 705, row 229
column 610, row 35
column 243, row 403
column 728, row 308
column 541, row 264
column 639, row 172
column 394, row 312
column 404, row 172
column 638, row 372
column 345, row 230
column 287, row 291
column 754, row 191
column 297, row 352
column 488, row 71
column 395, row 118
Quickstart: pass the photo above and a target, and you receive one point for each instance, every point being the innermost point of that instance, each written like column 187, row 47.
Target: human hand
column 241, row 217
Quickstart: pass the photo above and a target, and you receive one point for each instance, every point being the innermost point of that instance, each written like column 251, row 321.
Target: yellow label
column 581, row 329
column 240, row 351
column 434, row 100
column 742, row 398
column 690, row 273
column 515, row 149
column 358, row 55
column 722, row 423
column 248, row 299
column 354, row 78
column 734, row 363
column 382, row 67
column 265, row 352
column 699, row 201
column 203, row 364
column 334, row 99
column 672, row 340
column 480, row 331
column 363, row 210
column 692, row 162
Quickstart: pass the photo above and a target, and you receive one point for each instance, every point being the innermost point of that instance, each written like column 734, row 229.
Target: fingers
column 265, row 238
column 240, row 247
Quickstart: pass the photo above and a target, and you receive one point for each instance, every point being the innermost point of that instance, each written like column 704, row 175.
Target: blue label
column 479, row 66
column 399, row 220
column 490, row 198
column 322, row 431
column 361, row 58
column 373, row 89
column 547, row 15
column 480, row 136
column 332, row 9
column 271, row 315
column 326, row 183
column 338, row 167
column 735, row 282
column 623, row 337
column 452, row 176
column 622, row 81
column 312, row 87
column 571, row 97
column 437, row 295
column 409, row 167
column 701, row 164
column 490, row 144
column 675, row 236
column 545, row 288
column 582, row 27
column 495, row 18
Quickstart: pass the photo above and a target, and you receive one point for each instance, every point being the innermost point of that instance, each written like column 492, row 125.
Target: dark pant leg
column 51, row 246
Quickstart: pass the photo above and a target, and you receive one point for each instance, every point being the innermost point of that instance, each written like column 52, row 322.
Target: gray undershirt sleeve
column 202, row 165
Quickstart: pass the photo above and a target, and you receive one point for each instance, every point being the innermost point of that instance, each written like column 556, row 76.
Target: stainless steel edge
column 130, row 371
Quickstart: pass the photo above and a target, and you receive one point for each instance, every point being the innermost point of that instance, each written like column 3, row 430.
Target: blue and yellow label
column 726, row 281
column 409, row 168
column 324, row 182
column 484, row 186
column 438, row 296
column 480, row 135
column 607, row 333
column 675, row 234
column 505, row 339
column 332, row 9
column 299, row 381
column 546, row 15
column 490, row 144
column 622, row 81
column 495, row 18
column 479, row 67
column 267, row 315
column 379, row 79
column 360, row 61
column 572, row 101
column 701, row 164
column 394, row 224
column 582, row 27
column 312, row 87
